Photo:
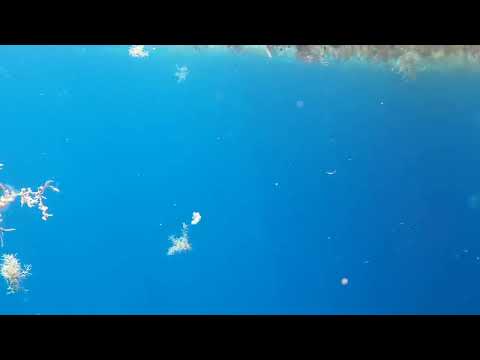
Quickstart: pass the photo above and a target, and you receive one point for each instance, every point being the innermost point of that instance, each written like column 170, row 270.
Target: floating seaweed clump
column 181, row 243
column 11, row 269
column 27, row 197
column 138, row 51
column 407, row 60
column 14, row 273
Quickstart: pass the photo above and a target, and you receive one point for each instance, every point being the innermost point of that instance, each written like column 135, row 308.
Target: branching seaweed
column 35, row 198
column 180, row 243
column 14, row 273
column 11, row 269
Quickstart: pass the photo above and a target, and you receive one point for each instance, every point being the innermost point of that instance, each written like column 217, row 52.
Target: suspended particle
column 196, row 217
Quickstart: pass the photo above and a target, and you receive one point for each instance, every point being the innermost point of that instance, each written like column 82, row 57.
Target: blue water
column 134, row 153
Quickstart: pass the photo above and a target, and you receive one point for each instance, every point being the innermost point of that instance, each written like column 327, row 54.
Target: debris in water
column 196, row 217
column 13, row 272
column 137, row 51
column 180, row 244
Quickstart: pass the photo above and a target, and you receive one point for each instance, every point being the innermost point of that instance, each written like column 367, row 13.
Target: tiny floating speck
column 344, row 281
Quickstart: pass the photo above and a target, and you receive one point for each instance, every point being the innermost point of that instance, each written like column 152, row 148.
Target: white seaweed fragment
column 138, row 51
column 3, row 230
column 8, row 196
column 180, row 244
column 13, row 273
column 35, row 198
column 181, row 73
column 27, row 197
column 196, row 217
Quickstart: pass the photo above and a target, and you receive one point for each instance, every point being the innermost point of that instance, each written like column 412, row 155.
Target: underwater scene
column 239, row 180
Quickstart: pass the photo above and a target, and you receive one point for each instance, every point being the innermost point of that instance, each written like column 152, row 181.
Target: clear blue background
column 135, row 153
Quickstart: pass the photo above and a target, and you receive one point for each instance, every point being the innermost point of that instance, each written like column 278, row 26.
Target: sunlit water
column 322, row 189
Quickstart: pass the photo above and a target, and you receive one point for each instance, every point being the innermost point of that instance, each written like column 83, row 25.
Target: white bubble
column 344, row 281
